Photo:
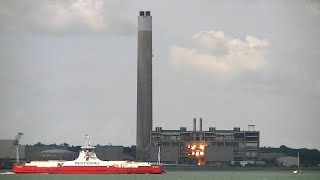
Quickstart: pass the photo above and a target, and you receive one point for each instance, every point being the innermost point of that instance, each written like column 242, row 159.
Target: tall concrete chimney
column 200, row 124
column 144, row 86
column 194, row 124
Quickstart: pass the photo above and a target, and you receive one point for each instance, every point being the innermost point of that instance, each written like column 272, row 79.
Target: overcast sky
column 68, row 68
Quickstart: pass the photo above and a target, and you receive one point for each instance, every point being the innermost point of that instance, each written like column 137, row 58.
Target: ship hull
column 86, row 170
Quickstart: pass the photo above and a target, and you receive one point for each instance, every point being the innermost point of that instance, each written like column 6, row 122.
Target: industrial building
column 8, row 153
column 57, row 154
column 11, row 151
column 204, row 147
column 8, row 150
column 48, row 152
column 109, row 153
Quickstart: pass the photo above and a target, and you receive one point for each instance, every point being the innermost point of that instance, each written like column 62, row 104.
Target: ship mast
column 298, row 161
column 159, row 157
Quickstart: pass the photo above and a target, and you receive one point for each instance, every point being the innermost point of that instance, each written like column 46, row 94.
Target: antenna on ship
column 88, row 143
column 86, row 138
column 159, row 162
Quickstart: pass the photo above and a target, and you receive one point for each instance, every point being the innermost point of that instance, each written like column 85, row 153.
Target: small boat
column 87, row 163
column 295, row 171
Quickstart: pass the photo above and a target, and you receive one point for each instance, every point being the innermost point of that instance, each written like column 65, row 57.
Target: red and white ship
column 87, row 163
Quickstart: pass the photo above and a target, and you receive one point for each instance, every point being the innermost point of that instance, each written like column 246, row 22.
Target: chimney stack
column 194, row 124
column 144, row 85
column 200, row 124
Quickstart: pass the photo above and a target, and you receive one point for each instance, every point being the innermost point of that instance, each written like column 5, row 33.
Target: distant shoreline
column 212, row 168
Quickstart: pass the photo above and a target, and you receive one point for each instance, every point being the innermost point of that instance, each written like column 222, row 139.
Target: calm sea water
column 178, row 175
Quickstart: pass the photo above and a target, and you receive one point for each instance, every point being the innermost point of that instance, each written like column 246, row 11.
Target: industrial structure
column 11, row 151
column 144, row 85
column 55, row 152
column 8, row 151
column 48, row 152
column 204, row 147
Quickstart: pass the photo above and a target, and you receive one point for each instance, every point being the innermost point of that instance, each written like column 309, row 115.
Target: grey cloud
column 239, row 55
column 314, row 6
column 60, row 17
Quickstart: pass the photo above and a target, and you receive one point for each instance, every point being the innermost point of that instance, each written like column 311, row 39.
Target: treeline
column 307, row 156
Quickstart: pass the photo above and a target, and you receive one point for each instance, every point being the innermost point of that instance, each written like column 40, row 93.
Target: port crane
column 16, row 144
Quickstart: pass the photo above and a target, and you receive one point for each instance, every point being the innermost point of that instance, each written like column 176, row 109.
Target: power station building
column 144, row 86
column 204, row 147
